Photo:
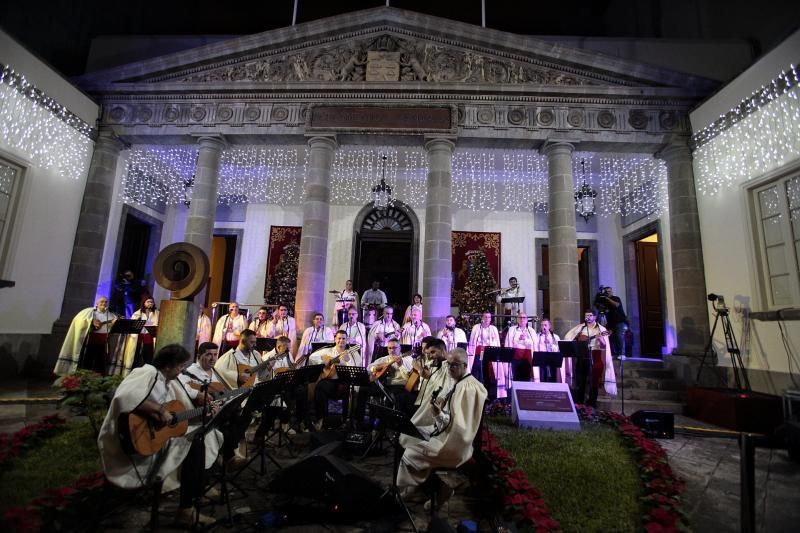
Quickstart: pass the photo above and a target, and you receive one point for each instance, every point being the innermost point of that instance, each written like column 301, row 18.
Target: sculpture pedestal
column 177, row 324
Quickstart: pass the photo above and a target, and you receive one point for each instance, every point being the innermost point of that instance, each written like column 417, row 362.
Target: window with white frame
column 777, row 224
column 9, row 190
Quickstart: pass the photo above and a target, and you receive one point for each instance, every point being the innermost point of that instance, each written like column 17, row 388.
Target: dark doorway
column 135, row 246
column 384, row 251
column 651, row 317
column 584, row 279
column 223, row 256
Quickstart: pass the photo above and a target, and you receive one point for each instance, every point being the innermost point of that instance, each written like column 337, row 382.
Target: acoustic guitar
column 292, row 365
column 252, row 371
column 330, row 370
column 215, row 388
column 141, row 435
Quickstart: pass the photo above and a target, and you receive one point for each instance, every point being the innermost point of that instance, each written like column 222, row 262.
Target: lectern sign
column 383, row 66
column 543, row 400
column 543, row 406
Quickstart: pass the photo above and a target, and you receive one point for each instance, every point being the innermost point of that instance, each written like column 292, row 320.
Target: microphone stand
column 201, row 434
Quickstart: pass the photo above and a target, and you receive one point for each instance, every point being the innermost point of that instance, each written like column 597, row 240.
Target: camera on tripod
column 718, row 302
column 601, row 299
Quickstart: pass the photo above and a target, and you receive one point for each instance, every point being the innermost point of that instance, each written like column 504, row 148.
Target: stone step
column 647, row 372
column 652, row 395
column 631, row 406
column 653, row 384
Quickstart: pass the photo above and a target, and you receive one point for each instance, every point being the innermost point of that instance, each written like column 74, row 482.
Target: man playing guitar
column 202, row 371
column 235, row 366
column 602, row 366
column 329, row 388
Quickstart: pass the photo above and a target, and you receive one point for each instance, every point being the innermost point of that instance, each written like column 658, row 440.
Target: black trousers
column 192, row 474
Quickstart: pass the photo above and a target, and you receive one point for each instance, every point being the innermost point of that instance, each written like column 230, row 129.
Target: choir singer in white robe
column 456, row 410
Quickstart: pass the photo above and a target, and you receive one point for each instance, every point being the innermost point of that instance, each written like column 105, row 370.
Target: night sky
column 60, row 31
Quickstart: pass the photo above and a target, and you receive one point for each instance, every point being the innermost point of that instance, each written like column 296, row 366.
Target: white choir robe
column 128, row 471
column 381, row 331
column 356, row 335
column 122, row 363
column 70, row 352
column 227, row 366
column 487, row 336
column 609, row 377
column 452, row 338
column 228, row 328
column 407, row 314
column 523, row 338
column 453, row 432
column 261, row 328
column 285, row 327
column 427, row 386
column 549, row 343
column 311, row 335
column 195, row 375
column 413, row 334
column 203, row 330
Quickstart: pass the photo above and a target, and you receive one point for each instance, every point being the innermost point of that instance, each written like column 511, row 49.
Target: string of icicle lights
column 760, row 141
column 504, row 180
column 41, row 129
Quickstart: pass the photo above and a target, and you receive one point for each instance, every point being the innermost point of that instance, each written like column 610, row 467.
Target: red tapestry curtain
column 279, row 238
column 471, row 241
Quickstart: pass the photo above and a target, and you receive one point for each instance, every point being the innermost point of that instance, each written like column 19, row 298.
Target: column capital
column 439, row 142
column 322, row 141
column 675, row 152
column 557, row 146
column 214, row 141
column 107, row 139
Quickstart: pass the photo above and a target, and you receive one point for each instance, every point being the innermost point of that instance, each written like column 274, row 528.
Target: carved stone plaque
column 381, row 118
column 383, row 66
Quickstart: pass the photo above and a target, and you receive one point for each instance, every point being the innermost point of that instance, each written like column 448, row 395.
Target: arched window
column 388, row 219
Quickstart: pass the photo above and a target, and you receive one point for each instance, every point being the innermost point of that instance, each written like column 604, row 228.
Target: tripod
column 721, row 313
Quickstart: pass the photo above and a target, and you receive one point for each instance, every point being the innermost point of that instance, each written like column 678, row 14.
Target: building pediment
column 389, row 45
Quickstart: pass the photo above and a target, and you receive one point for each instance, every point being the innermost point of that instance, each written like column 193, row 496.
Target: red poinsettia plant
column 661, row 500
column 11, row 445
column 517, row 499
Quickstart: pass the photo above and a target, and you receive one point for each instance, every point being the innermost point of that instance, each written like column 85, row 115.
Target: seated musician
column 547, row 341
column 183, row 459
column 86, row 345
column 229, row 328
column 451, row 418
column 317, row 332
column 261, row 323
column 395, row 369
column 202, row 371
column 329, row 388
column 244, row 355
column 432, row 368
column 484, row 334
column 451, row 335
column 601, row 362
column 380, row 332
column 355, row 331
column 283, row 325
column 522, row 337
column 277, row 359
column 415, row 330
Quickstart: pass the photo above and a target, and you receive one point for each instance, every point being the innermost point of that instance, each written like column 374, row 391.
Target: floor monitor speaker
column 655, row 424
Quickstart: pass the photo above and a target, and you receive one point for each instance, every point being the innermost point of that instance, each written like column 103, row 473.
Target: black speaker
column 655, row 424
column 793, row 440
column 321, row 476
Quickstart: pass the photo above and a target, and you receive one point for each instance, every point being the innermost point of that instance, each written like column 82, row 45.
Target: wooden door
column 651, row 317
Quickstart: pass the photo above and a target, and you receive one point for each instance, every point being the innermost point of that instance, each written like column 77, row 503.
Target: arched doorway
column 386, row 248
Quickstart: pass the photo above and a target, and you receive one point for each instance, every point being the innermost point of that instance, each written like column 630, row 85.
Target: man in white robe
column 144, row 392
column 598, row 342
column 201, row 371
column 330, row 388
column 355, row 332
column 374, row 296
column 86, row 344
column 283, row 325
column 317, row 332
column 432, row 368
column 261, row 323
column 451, row 335
column 229, row 328
column 455, row 410
column 380, row 332
column 513, row 291
column 415, row 330
column 485, row 334
column 203, row 327
column 227, row 366
column 137, row 348
column 522, row 336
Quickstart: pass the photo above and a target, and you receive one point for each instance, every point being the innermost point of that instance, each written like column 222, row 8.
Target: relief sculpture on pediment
column 388, row 58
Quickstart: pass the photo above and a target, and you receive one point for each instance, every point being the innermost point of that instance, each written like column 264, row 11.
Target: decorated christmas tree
column 480, row 281
column 283, row 284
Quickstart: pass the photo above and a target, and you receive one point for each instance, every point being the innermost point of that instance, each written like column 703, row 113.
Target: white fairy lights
column 41, row 129
column 505, row 180
column 762, row 134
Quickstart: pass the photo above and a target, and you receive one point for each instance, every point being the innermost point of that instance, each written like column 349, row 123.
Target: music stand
column 127, row 327
column 547, row 361
column 498, row 354
column 261, row 396
column 152, row 330
column 265, row 344
column 352, row 376
column 398, row 422
column 316, row 346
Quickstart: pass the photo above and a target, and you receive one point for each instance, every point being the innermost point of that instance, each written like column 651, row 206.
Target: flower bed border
column 12, row 445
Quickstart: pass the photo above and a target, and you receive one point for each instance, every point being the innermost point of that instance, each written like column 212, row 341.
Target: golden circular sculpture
column 181, row 268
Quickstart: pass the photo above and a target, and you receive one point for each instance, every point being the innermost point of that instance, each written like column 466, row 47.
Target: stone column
column 203, row 209
column 314, row 239
column 438, row 250
column 90, row 237
column 565, row 300
column 688, row 275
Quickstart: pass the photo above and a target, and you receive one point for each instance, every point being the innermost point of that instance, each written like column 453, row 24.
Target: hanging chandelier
column 382, row 193
column 584, row 197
